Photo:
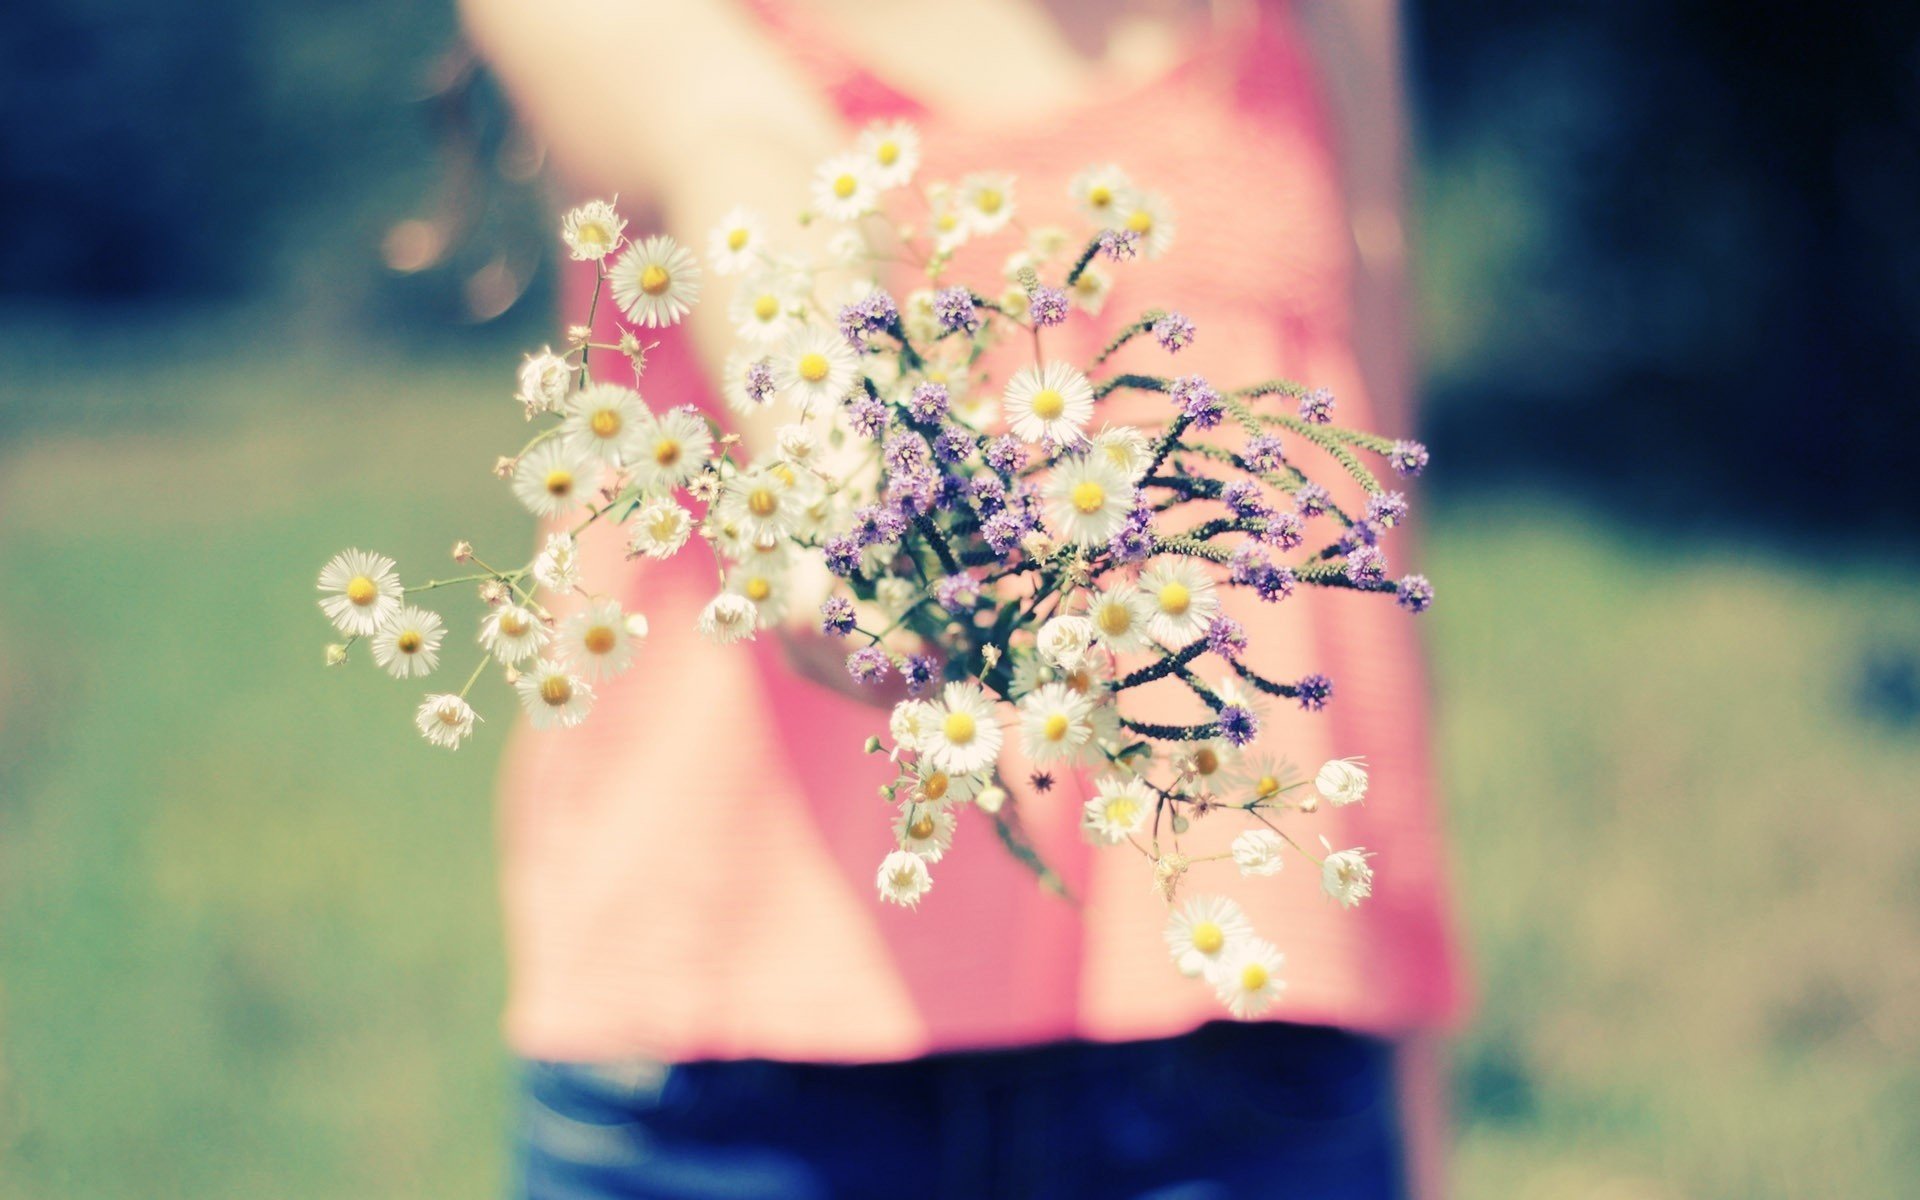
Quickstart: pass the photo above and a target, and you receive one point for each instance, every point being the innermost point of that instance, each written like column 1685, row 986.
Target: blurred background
column 264, row 274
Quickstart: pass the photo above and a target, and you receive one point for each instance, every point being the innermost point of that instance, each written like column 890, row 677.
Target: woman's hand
column 823, row 660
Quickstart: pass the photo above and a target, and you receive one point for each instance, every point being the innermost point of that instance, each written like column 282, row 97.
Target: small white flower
column 1120, row 614
column 1342, row 781
column 891, row 150
column 933, row 787
column 927, row 832
column 512, row 634
column 764, row 584
column 675, row 446
column 986, row 201
column 795, row 443
column 1088, row 500
column 843, row 188
column 1126, row 447
column 991, row 799
column 1054, row 402
column 903, row 878
column 909, row 720
column 762, row 309
column 408, row 645
column 762, row 504
column 592, row 231
column 1090, row 290
column 606, row 421
column 1200, row 932
column 1183, row 598
column 659, row 529
column 1101, row 192
column 1247, row 978
column 729, row 617
column 1149, row 215
column 894, row 594
column 1064, row 641
column 542, row 381
column 553, row 697
column 1209, row 762
column 558, row 564
column 445, row 720
column 555, row 477
column 655, row 282
column 595, row 641
column 965, row 737
column 947, row 219
column 735, row 244
column 1119, row 808
column 1346, row 876
column 365, row 591
column 815, row 368
column 1262, row 778
column 1259, row 852
column 1055, row 724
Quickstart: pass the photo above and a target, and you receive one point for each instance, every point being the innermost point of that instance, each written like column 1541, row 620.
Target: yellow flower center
column 1088, row 284
column 599, row 640
column 934, row 786
column 512, row 624
column 766, row 307
column 737, row 239
column 1056, row 726
column 1048, row 404
column 946, row 222
column 784, row 474
column 903, row 878
column 1088, row 496
column 409, row 641
column 844, row 185
column 813, row 367
column 923, row 828
column 1175, row 599
column 450, row 715
column 1119, row 455
column 556, row 690
column 958, row 728
column 605, row 423
column 559, row 482
column 1079, row 681
column 1122, row 811
column 989, row 200
column 1100, row 195
column 1206, row 760
column 1268, row 786
column 762, row 503
column 664, row 527
column 1113, row 618
column 655, row 279
column 1208, row 937
column 1253, row 977
column 887, row 152
column 593, row 233
column 1140, row 221
column 758, row 589
column 666, row 452
column 362, row 591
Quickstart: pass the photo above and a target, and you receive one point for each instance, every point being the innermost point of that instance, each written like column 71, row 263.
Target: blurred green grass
column 248, row 937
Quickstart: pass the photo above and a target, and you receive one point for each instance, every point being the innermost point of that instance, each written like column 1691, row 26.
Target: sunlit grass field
column 248, row 941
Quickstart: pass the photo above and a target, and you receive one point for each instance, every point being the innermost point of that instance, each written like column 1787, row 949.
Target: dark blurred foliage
column 1668, row 244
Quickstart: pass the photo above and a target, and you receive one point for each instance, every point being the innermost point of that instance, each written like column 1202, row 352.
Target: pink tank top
column 690, row 874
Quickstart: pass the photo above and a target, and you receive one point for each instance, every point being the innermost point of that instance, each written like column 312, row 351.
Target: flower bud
column 463, row 551
column 336, row 654
column 991, row 798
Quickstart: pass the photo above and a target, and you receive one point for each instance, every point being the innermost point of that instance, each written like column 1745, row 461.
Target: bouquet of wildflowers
column 1025, row 569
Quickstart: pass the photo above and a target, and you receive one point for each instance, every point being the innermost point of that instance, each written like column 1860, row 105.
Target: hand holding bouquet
column 1029, row 575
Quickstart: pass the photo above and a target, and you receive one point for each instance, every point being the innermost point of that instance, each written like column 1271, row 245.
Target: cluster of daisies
column 1015, row 564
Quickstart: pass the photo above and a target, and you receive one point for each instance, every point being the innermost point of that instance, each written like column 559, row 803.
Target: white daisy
column 760, row 505
column 1088, row 500
column 843, row 188
column 765, row 585
column 1101, row 192
column 557, row 566
column 933, row 787
column 656, row 282
column 553, row 697
column 1064, row 641
column 1259, row 852
column 1346, row 876
column 1184, row 600
column 408, row 645
column 1052, row 401
column 606, row 421
column 1247, row 978
column 1119, row 808
column 1210, row 763
column 1342, row 781
column 986, row 201
column 947, row 220
column 365, row 591
column 555, row 477
column 908, row 721
column 1090, row 290
column 1261, row 779
column 592, row 231
column 966, row 737
column 795, row 443
column 891, row 150
column 1120, row 616
column 763, row 310
column 1126, row 447
column 816, row 366
column 674, row 447
column 445, row 720
column 512, row 634
column 595, row 641
column 1201, row 930
column 903, row 878
column 659, row 529
column 1149, row 215
column 735, row 243
column 542, row 382
column 1055, row 724
column 729, row 617
column 927, row 832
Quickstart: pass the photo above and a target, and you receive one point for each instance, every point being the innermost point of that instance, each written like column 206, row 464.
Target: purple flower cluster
column 927, row 402
column 868, row 665
column 1414, row 594
column 1316, row 407
column 758, row 382
column 1047, row 306
column 1407, row 458
column 873, row 313
column 867, row 414
column 920, row 671
column 1198, row 400
column 1120, row 245
column 1226, row 637
column 1386, row 509
column 1312, row 500
column 1313, row 692
column 1285, row 530
column 989, row 494
column 877, row 524
column 1004, row 529
column 1174, row 332
column 1366, row 565
column 905, row 452
column 1250, row 568
column 957, row 593
column 836, row 616
column 954, row 444
column 842, row 555
column 1264, row 453
column 1242, row 496
column 1238, row 724
column 1006, row 455
column 953, row 308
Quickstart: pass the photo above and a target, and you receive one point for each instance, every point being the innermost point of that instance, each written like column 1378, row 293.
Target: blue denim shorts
column 1264, row 1110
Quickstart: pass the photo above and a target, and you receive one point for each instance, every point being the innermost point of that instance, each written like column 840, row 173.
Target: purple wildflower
column 1238, row 724
column 1386, row 509
column 906, row 452
column 954, row 444
column 1284, row 530
column 1226, row 637
column 1243, row 497
column 1005, row 528
column 1006, row 455
column 1047, row 306
column 1120, row 245
column 953, row 308
column 957, row 593
column 1197, row 398
column 1130, row 545
column 920, row 671
column 914, row 490
column 1366, row 565
column 989, row 494
column 1313, row 692
column 1174, row 332
column 1264, row 453
column 843, row 556
column 1042, row 781
column 868, row 665
column 873, row 313
column 1414, row 594
column 1245, row 566
column 928, row 402
column 951, row 495
column 758, row 382
column 1273, row 584
column 1316, row 407
column 1312, row 500
column 836, row 616
column 867, row 414
column 1407, row 458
